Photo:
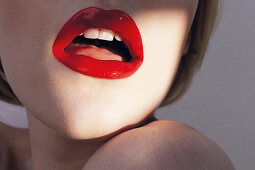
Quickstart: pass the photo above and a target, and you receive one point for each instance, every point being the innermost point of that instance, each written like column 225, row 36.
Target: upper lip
column 115, row 20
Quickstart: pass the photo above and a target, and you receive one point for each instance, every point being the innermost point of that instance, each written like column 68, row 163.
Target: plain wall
column 221, row 100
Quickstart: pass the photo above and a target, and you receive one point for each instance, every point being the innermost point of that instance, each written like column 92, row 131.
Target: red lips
column 115, row 20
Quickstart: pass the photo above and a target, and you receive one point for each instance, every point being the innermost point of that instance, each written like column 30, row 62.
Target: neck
column 51, row 151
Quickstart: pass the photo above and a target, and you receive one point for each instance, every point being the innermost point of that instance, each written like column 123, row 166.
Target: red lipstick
column 92, row 17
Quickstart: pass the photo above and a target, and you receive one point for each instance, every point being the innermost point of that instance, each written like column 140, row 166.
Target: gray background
column 221, row 100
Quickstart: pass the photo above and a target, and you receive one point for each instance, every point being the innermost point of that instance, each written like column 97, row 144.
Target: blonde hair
column 190, row 63
column 200, row 33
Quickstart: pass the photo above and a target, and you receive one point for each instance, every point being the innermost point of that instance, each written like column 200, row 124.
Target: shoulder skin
column 160, row 145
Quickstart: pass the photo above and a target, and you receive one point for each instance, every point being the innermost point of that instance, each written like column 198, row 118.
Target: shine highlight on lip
column 99, row 25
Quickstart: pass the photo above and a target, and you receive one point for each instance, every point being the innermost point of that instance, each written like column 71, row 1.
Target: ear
column 187, row 44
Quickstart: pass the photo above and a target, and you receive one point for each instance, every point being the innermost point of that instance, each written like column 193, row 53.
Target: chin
column 81, row 118
column 81, row 126
column 92, row 131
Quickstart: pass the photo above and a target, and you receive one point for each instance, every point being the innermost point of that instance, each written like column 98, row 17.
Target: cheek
column 163, row 34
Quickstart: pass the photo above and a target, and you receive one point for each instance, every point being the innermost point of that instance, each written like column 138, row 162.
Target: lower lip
column 107, row 69
column 90, row 66
column 110, row 69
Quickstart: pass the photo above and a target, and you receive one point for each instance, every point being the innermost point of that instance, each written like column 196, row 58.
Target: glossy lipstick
column 92, row 17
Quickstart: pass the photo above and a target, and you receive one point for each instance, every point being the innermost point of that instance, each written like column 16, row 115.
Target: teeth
column 117, row 37
column 92, row 33
column 102, row 34
column 106, row 35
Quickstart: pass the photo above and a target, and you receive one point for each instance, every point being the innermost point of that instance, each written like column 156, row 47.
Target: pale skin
column 82, row 122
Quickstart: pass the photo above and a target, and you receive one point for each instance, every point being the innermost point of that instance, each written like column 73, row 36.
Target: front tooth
column 91, row 33
column 106, row 35
column 117, row 37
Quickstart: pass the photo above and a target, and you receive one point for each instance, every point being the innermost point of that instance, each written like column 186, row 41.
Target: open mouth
column 100, row 43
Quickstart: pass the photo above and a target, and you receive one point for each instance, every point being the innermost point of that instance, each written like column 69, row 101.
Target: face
column 81, row 106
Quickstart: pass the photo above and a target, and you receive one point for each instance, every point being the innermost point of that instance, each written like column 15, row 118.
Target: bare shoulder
column 5, row 156
column 161, row 145
column 14, row 147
